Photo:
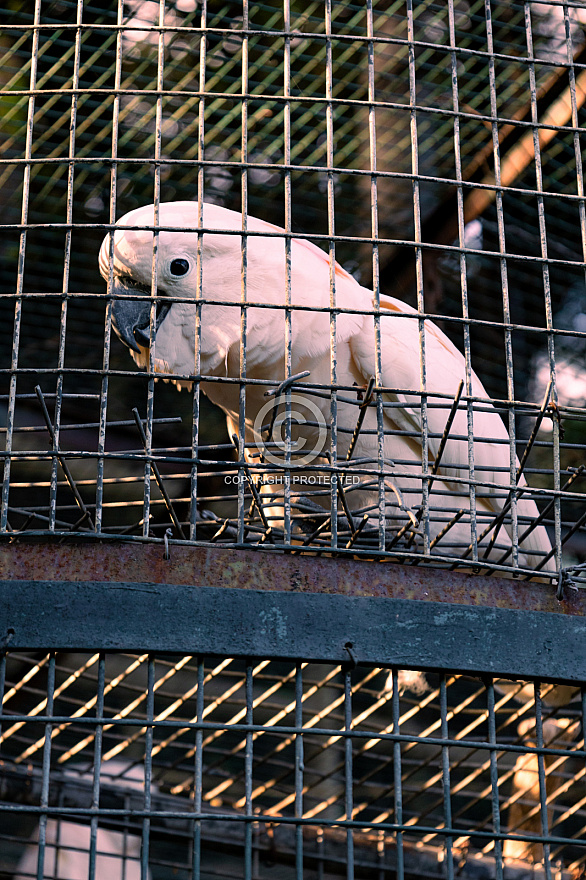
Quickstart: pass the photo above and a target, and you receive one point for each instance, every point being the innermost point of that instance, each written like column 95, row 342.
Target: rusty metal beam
column 258, row 570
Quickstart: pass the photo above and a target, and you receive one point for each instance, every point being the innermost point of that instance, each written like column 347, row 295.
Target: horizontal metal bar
column 253, row 569
column 312, row 100
column 364, row 554
column 309, row 471
column 484, row 404
column 242, row 818
column 285, row 731
column 84, row 426
column 185, row 30
column 229, row 836
column 442, row 248
column 238, row 166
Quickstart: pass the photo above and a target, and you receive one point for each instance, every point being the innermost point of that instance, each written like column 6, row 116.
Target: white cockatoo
column 262, row 278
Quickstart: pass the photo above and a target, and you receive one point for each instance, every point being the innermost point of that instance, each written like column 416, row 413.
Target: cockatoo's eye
column 179, row 267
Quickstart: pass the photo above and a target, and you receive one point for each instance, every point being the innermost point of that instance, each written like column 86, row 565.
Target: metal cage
column 220, row 658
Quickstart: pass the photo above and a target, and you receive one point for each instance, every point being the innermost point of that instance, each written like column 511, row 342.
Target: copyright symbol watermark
column 309, row 432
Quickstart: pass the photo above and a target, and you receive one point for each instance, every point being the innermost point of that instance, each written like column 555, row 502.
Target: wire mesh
column 416, row 170
column 430, row 151
column 244, row 769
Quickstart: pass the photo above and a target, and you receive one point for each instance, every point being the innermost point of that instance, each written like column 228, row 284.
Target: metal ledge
column 92, row 616
column 213, row 566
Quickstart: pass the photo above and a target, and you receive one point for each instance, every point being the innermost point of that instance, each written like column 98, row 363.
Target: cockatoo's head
column 135, row 252
column 145, row 258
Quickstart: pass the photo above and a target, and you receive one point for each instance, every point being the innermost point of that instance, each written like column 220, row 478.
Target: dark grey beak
column 131, row 317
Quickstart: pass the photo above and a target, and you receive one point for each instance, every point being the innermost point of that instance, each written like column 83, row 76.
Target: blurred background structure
column 439, row 144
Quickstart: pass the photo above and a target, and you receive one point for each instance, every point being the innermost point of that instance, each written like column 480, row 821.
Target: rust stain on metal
column 253, row 570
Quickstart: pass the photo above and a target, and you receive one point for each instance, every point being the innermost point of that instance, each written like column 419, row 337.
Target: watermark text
column 299, row 479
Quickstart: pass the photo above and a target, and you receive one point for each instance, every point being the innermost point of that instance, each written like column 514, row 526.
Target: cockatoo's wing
column 489, row 453
column 401, row 357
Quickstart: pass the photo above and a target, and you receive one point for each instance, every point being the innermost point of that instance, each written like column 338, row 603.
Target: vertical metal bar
column 26, row 185
column 576, row 132
column 332, row 255
column 397, row 775
column 542, row 784
column 419, row 280
column 348, row 774
column 494, row 781
column 97, row 764
column 380, row 416
column 446, row 778
column 108, row 316
column 125, row 836
column 583, row 715
column 148, row 770
column 66, row 269
column 299, row 771
column 154, row 267
column 244, row 273
column 463, row 281
column 59, row 849
column 45, row 780
column 504, row 282
column 198, row 772
column 549, row 316
column 248, row 757
column 2, row 687
column 546, row 278
column 288, row 244
column 196, row 390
